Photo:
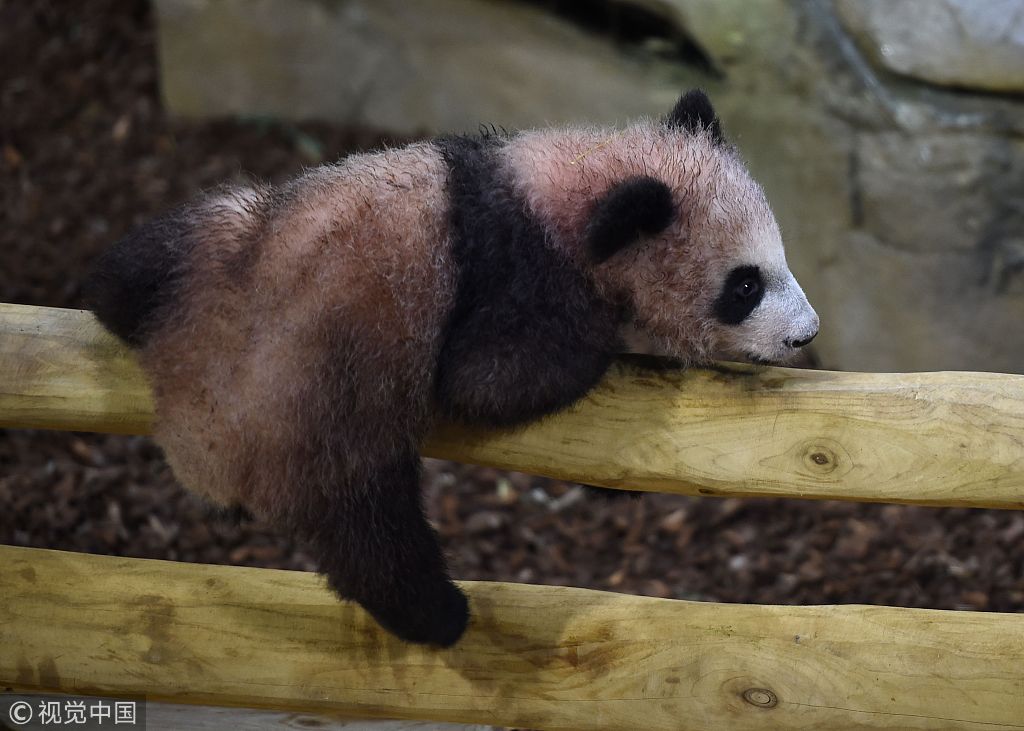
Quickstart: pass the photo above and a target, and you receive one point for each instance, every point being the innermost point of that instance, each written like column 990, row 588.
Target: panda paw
column 438, row 615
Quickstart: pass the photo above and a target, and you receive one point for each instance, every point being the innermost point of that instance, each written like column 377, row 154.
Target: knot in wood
column 820, row 458
column 760, row 697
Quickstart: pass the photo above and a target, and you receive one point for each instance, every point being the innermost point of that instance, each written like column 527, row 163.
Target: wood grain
column 59, row 369
column 535, row 657
column 732, row 430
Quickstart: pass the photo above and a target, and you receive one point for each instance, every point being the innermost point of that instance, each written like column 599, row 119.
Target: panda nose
column 804, row 341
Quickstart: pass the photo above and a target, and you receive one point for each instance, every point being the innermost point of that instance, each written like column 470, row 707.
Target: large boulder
column 408, row 67
column 975, row 44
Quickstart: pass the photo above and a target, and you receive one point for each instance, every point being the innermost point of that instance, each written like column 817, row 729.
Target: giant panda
column 300, row 340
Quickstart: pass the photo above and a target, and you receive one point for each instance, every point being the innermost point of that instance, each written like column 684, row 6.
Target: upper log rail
column 545, row 657
column 950, row 438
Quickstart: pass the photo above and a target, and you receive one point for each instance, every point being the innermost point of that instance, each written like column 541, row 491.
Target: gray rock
column 906, row 184
column 733, row 32
column 977, row 44
column 891, row 309
column 409, row 67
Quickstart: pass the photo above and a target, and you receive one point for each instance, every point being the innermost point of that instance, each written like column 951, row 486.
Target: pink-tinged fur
column 347, row 268
column 669, row 282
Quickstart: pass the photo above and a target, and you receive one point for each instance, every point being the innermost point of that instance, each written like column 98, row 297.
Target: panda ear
column 693, row 112
column 638, row 206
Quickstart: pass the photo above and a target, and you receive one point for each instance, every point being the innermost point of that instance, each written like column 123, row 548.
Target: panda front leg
column 376, row 548
column 516, row 380
column 523, row 376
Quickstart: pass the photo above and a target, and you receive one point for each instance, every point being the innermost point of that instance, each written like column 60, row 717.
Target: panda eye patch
column 740, row 294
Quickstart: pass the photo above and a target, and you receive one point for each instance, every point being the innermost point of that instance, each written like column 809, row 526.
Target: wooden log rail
column 550, row 657
column 731, row 430
column 534, row 656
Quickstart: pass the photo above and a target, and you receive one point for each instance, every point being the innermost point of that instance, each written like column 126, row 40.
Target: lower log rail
column 534, row 656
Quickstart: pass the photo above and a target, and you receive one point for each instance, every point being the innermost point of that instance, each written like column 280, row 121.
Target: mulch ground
column 86, row 152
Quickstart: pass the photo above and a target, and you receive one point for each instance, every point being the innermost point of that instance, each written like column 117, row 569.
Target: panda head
column 688, row 242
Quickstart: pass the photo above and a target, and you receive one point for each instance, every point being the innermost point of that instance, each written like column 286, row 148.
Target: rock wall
column 889, row 136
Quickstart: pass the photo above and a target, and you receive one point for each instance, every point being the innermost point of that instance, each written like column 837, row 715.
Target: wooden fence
column 551, row 657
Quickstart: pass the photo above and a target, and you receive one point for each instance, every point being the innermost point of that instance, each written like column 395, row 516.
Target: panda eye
column 748, row 288
column 740, row 295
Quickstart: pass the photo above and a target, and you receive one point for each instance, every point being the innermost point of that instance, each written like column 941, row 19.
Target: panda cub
column 300, row 340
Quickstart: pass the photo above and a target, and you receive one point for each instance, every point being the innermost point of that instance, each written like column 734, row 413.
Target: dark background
column 86, row 153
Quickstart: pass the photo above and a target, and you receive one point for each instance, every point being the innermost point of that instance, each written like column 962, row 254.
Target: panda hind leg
column 135, row 281
column 375, row 547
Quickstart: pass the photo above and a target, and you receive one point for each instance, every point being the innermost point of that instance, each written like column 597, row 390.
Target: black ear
column 694, row 112
column 635, row 207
